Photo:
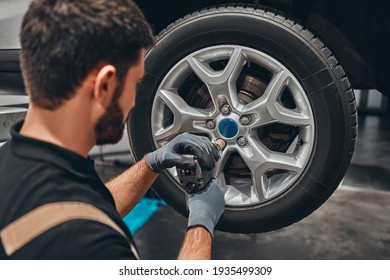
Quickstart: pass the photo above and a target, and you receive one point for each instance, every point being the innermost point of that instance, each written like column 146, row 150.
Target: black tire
column 315, row 67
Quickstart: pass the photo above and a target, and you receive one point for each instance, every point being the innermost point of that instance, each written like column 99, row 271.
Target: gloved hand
column 206, row 207
column 172, row 154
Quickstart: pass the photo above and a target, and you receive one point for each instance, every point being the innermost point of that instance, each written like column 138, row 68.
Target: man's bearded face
column 109, row 128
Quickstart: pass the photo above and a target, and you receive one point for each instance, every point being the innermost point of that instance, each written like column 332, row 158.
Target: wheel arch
column 331, row 20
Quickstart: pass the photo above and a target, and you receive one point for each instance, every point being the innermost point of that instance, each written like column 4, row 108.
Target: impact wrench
column 195, row 180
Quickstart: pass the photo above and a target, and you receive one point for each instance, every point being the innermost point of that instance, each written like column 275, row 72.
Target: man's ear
column 105, row 85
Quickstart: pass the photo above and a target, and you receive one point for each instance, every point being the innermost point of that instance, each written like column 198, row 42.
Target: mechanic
column 81, row 62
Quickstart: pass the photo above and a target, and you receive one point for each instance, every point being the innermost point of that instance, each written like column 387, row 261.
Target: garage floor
column 353, row 224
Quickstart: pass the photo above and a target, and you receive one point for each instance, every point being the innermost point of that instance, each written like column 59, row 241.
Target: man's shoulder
column 34, row 184
column 77, row 239
column 28, row 182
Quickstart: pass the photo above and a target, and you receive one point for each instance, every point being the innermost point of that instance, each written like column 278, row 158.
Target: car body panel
column 11, row 15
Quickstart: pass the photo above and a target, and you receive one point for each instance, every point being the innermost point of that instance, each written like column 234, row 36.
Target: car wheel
column 271, row 90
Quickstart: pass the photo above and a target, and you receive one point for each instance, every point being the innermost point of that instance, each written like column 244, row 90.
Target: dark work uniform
column 33, row 173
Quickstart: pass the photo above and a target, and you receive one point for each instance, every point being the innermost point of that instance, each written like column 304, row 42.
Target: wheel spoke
column 276, row 86
column 269, row 108
column 220, row 83
column 256, row 161
column 220, row 165
column 271, row 94
column 284, row 162
column 185, row 117
column 166, row 133
column 259, row 187
column 272, row 160
column 287, row 116
column 260, row 160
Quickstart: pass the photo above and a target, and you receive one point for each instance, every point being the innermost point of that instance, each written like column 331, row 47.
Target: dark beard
column 109, row 128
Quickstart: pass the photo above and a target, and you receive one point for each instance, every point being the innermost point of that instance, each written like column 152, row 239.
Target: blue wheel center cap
column 228, row 128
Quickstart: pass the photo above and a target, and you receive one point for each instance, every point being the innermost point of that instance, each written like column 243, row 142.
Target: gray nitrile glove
column 172, row 154
column 206, row 207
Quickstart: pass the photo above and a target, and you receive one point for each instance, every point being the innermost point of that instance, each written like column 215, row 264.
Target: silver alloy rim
column 271, row 173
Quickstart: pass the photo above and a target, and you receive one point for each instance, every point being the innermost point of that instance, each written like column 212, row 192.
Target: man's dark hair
column 64, row 40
